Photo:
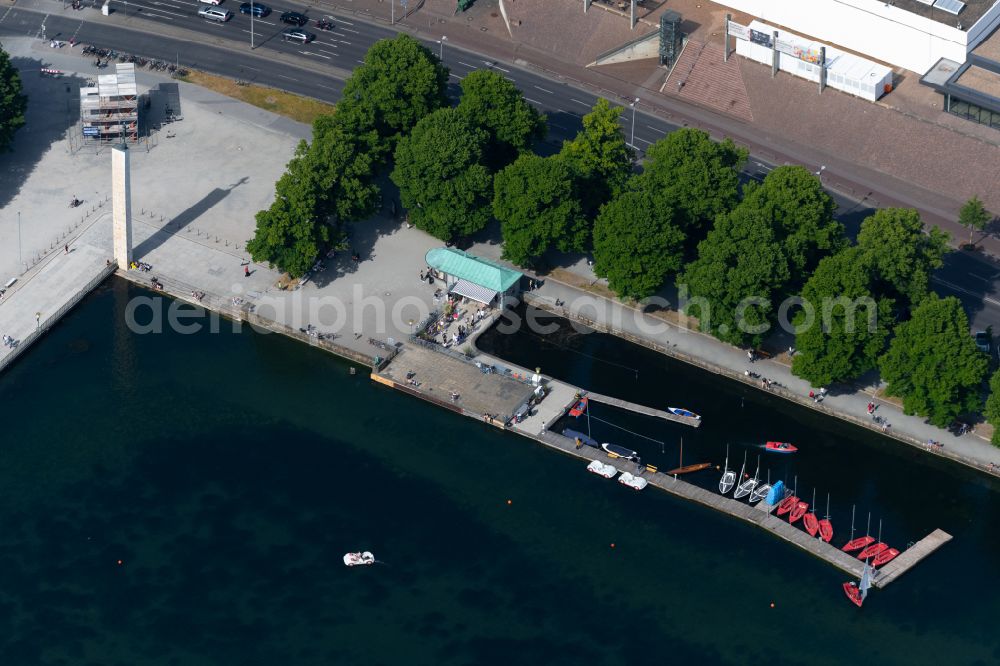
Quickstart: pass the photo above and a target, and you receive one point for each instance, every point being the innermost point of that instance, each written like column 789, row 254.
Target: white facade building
column 911, row 34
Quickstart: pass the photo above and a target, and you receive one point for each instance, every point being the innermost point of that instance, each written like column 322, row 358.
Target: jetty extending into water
column 642, row 409
column 493, row 397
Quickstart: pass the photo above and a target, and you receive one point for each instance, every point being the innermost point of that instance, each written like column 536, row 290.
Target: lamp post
column 819, row 174
column 251, row 25
column 19, row 259
column 441, row 51
column 633, row 105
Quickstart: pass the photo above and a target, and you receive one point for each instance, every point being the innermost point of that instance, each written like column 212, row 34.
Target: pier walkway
column 909, row 557
column 642, row 409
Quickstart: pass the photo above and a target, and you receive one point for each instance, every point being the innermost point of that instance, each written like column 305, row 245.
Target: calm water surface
column 229, row 473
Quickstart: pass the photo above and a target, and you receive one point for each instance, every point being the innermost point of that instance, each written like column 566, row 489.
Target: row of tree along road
column 743, row 257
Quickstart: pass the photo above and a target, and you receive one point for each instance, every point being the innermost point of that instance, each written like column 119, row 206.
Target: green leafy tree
column 902, row 255
column 442, row 181
column 740, row 269
column 803, row 214
column 400, row 82
column 933, row 362
column 992, row 411
column 341, row 167
column 13, row 101
column 701, row 175
column 637, row 243
column 600, row 156
column 537, row 205
column 973, row 216
column 289, row 233
column 842, row 328
column 492, row 102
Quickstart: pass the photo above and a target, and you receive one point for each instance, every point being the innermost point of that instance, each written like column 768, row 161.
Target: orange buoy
column 509, row 502
column 612, row 545
column 119, row 562
column 772, row 604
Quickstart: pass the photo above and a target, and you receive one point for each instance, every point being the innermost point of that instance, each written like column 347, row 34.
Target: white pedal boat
column 599, row 468
column 358, row 559
column 632, row 481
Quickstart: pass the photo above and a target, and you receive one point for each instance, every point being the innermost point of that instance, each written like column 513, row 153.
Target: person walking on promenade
column 38, row 320
column 246, row 271
column 66, row 249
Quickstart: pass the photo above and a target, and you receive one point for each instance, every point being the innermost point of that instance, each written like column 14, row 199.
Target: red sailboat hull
column 811, row 523
column 579, row 408
column 885, row 556
column 785, row 505
column 799, row 511
column 854, row 594
column 872, row 551
column 825, row 530
column 857, row 544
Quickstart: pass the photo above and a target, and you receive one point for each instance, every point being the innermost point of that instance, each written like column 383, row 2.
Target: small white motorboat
column 680, row 411
column 359, row 559
column 632, row 481
column 599, row 468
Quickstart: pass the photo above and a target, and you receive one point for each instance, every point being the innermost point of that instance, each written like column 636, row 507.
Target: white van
column 215, row 14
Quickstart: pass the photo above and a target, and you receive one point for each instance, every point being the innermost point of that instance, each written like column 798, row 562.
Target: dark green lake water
column 230, row 473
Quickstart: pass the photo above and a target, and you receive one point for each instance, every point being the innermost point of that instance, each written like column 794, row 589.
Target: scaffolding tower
column 109, row 111
column 671, row 37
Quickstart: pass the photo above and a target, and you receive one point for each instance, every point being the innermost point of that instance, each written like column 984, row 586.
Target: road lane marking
column 315, row 54
column 579, row 102
column 320, row 85
column 340, row 20
column 544, row 90
column 963, row 290
column 455, row 75
column 533, row 101
column 466, row 64
column 349, row 30
column 505, row 71
column 343, row 42
column 288, row 77
column 333, row 53
column 644, row 141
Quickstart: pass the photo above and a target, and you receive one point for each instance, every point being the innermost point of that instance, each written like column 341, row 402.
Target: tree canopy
column 400, row 82
column 701, row 175
column 740, row 269
column 803, row 214
column 848, row 326
column 973, row 216
column 442, row 181
column 13, row 101
column 637, row 243
column 902, row 255
column 933, row 362
column 992, row 411
column 536, row 202
column 289, row 233
column 600, row 156
column 490, row 101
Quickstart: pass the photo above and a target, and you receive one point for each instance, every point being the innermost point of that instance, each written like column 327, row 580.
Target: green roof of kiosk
column 477, row 270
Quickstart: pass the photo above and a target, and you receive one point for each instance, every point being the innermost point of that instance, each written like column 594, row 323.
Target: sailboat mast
column 879, row 530
column 853, row 507
column 828, row 506
column 868, row 530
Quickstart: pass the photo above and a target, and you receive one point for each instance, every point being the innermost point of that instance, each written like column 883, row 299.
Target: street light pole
column 19, row 259
column 441, row 42
column 251, row 25
column 633, row 105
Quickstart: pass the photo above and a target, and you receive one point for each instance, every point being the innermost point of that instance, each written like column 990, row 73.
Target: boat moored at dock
column 680, row 411
column 616, row 451
column 602, row 469
column 632, row 481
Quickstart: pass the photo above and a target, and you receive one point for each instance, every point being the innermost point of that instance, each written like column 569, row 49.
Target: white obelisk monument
column 121, row 206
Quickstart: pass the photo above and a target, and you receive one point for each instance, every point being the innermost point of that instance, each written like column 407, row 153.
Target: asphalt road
column 171, row 30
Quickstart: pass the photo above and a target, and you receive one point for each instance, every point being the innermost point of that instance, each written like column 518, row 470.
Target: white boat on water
column 748, row 486
column 761, row 491
column 359, row 559
column 599, row 468
column 632, row 481
column 728, row 479
column 680, row 411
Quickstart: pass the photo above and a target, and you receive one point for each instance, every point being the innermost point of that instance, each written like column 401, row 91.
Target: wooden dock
column 642, row 409
column 909, row 557
column 759, row 514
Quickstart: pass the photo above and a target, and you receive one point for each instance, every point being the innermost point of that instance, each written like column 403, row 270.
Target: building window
column 974, row 113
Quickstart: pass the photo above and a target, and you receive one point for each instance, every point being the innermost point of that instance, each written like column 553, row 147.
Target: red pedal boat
column 785, row 505
column 854, row 594
column 857, row 544
column 799, row 511
column 811, row 523
column 872, row 550
column 884, row 557
column 825, row 530
column 780, row 447
column 580, row 407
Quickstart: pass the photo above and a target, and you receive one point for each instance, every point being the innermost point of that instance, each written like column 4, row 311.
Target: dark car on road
column 255, row 8
column 298, row 35
column 294, row 18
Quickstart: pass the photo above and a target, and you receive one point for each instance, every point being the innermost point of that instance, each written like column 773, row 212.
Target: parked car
column 298, row 35
column 211, row 2
column 216, row 14
column 983, row 340
column 255, row 8
column 294, row 18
